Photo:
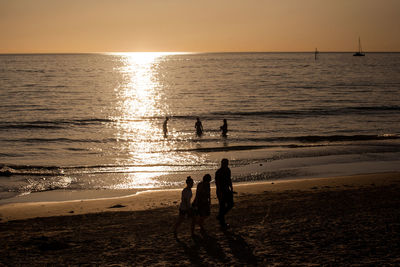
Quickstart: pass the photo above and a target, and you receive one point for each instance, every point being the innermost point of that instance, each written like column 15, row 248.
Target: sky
column 80, row 26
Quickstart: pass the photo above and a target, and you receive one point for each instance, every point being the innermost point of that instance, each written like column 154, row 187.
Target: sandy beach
column 340, row 221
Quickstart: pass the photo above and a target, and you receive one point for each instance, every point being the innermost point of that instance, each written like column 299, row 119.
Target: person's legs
column 194, row 219
column 225, row 205
column 201, row 223
column 229, row 204
column 181, row 218
column 222, row 211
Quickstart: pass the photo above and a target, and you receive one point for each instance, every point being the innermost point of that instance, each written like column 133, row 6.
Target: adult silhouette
column 202, row 203
column 224, row 186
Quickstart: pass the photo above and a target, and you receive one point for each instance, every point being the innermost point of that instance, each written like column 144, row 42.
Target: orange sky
column 32, row 26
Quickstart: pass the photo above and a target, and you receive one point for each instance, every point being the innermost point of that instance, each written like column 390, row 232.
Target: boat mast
column 359, row 53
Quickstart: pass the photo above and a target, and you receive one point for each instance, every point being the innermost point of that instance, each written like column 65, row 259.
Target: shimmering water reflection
column 142, row 109
column 94, row 121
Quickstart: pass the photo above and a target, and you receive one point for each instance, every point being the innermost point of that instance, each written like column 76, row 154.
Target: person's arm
column 230, row 180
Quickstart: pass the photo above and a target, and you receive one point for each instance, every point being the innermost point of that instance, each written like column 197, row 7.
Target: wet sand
column 339, row 221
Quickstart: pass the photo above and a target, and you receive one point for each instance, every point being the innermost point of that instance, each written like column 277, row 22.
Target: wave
column 61, row 140
column 7, row 170
column 266, row 141
column 287, row 113
column 238, row 148
column 10, row 170
column 311, row 139
column 331, row 111
column 292, row 145
column 336, row 138
column 60, row 182
column 28, row 126
column 56, row 124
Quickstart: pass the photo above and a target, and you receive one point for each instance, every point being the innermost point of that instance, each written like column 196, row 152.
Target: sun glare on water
column 141, row 111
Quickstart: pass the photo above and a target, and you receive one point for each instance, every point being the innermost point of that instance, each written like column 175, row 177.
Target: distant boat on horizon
column 359, row 53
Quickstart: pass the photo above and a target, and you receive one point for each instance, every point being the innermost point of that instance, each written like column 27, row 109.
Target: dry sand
column 334, row 221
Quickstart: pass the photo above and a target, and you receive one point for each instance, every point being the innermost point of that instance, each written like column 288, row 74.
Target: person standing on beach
column 224, row 129
column 165, row 127
column 185, row 209
column 199, row 127
column 224, row 186
column 202, row 203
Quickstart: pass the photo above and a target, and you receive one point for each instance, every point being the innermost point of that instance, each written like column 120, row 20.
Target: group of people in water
column 200, row 209
column 199, row 127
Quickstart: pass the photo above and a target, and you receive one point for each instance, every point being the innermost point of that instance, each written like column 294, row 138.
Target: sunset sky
column 41, row 26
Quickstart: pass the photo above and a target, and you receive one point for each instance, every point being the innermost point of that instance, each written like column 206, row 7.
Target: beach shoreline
column 341, row 221
column 258, row 167
column 133, row 200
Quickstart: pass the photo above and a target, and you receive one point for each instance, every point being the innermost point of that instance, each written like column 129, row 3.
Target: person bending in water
column 185, row 209
column 199, row 127
column 165, row 127
column 202, row 203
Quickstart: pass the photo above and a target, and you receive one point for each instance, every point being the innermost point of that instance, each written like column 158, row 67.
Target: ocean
column 95, row 121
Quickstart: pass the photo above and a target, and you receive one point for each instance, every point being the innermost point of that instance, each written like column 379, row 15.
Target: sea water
column 95, row 121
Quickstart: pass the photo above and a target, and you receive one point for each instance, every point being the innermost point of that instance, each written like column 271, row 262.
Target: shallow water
column 94, row 121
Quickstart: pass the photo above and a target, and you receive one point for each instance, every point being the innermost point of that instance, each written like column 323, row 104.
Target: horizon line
column 182, row 52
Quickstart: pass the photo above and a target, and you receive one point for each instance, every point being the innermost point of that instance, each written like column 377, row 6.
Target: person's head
column 166, row 118
column 225, row 121
column 224, row 163
column 198, row 119
column 207, row 178
column 189, row 182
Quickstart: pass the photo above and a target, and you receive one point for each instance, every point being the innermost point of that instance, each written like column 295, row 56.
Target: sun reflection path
column 141, row 107
column 141, row 95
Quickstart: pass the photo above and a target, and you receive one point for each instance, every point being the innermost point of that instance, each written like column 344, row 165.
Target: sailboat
column 359, row 53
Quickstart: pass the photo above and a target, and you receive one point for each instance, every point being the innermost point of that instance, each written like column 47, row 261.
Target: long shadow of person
column 211, row 246
column 240, row 249
column 192, row 252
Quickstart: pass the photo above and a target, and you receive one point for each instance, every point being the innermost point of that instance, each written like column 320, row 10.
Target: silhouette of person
column 185, row 208
column 165, row 127
column 202, row 203
column 224, row 186
column 199, row 127
column 224, row 129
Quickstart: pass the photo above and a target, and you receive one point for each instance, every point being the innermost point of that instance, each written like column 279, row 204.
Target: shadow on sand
column 210, row 246
column 240, row 249
column 213, row 249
